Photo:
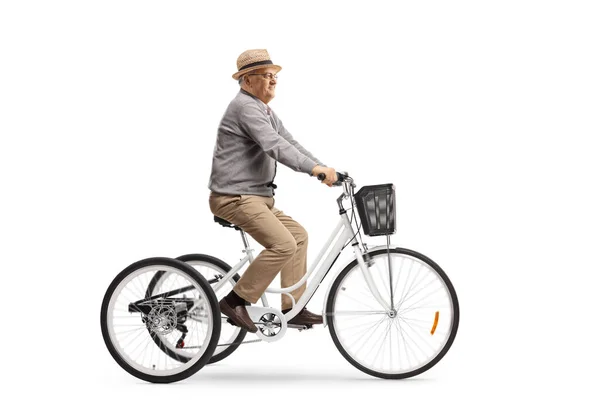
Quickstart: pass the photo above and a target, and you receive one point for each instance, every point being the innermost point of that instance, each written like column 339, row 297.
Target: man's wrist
column 314, row 170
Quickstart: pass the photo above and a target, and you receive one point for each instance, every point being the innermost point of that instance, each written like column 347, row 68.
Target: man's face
column 260, row 85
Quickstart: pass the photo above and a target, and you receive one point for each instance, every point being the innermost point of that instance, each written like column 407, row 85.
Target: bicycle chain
column 249, row 341
column 229, row 344
column 226, row 344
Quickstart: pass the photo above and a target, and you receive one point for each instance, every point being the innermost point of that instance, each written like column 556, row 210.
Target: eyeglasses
column 268, row 76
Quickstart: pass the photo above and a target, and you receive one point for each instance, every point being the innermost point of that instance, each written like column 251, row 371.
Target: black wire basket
column 376, row 206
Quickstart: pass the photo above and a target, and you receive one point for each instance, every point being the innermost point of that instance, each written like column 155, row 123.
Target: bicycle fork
column 369, row 279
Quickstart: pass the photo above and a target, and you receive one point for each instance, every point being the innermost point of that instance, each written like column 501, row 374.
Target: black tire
column 454, row 326
column 197, row 279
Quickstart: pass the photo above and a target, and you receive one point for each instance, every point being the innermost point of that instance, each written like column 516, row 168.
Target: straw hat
column 251, row 60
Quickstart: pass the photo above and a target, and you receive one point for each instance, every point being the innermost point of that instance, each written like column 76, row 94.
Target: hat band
column 267, row 62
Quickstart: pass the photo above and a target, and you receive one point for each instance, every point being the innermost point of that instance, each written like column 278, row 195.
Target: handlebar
column 345, row 180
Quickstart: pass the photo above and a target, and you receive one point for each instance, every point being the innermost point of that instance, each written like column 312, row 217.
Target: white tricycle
column 392, row 312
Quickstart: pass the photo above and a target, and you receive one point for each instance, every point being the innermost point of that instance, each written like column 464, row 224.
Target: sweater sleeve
column 257, row 125
column 288, row 136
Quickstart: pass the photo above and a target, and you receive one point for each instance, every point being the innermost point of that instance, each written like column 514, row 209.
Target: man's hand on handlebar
column 330, row 174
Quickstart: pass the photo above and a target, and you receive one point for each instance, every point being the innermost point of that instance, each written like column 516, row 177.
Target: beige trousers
column 285, row 242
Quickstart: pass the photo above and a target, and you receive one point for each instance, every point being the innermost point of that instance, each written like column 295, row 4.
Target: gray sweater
column 250, row 141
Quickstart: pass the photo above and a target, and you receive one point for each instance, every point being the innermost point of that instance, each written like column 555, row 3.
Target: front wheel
column 409, row 338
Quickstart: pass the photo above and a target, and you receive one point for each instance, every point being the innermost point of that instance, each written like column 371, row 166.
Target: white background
column 483, row 114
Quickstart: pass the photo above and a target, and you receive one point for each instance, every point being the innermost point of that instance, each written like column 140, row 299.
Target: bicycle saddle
column 226, row 224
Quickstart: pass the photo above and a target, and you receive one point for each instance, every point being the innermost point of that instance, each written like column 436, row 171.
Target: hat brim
column 237, row 75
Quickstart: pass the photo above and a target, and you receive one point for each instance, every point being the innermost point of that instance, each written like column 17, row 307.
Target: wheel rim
column 405, row 340
column 131, row 335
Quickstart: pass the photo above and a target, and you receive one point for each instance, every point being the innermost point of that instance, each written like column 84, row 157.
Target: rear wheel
column 185, row 306
column 406, row 340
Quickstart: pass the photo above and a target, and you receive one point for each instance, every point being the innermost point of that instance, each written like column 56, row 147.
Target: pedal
column 230, row 321
column 300, row 327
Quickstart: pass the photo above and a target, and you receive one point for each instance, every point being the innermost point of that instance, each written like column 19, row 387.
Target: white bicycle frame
column 341, row 234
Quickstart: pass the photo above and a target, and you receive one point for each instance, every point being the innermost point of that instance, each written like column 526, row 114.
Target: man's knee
column 286, row 248
column 301, row 237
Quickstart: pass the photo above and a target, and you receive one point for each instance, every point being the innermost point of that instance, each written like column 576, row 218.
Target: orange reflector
column 435, row 321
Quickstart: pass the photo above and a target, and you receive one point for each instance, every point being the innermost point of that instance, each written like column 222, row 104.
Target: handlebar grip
column 340, row 178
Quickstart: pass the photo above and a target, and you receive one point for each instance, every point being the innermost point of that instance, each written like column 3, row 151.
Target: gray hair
column 241, row 79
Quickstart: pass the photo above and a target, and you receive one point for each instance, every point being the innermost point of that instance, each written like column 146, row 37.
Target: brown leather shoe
column 239, row 316
column 305, row 317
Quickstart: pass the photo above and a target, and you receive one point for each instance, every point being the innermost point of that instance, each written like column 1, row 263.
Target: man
column 251, row 139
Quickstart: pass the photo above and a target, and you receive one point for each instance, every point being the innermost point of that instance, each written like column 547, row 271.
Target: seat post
column 244, row 238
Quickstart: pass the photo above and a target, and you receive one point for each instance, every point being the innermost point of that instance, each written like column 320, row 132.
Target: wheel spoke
column 342, row 313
